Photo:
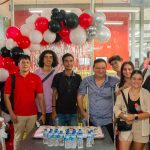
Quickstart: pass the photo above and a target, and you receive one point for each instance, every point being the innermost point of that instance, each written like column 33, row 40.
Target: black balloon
column 15, row 54
column 4, row 52
column 55, row 11
column 54, row 26
column 60, row 17
column 58, row 38
column 71, row 20
column 63, row 12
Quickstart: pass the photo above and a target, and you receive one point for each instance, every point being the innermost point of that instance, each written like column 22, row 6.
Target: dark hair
column 41, row 58
column 115, row 57
column 23, row 56
column 122, row 79
column 98, row 61
column 137, row 72
column 67, row 55
column 148, row 53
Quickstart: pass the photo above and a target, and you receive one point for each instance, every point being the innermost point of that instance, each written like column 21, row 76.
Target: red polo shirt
column 24, row 93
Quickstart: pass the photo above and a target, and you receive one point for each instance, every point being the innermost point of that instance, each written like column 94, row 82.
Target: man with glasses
column 116, row 62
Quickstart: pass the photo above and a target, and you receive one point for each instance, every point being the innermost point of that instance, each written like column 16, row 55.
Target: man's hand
column 85, row 115
column 43, row 118
column 54, row 114
column 14, row 118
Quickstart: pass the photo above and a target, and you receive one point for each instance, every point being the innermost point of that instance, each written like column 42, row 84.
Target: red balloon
column 13, row 32
column 9, row 63
column 85, row 20
column 66, row 39
column 23, row 42
column 41, row 24
column 14, row 70
column 44, row 43
column 64, row 32
column 2, row 65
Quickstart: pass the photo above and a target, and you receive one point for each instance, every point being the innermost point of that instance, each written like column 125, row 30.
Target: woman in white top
column 138, row 100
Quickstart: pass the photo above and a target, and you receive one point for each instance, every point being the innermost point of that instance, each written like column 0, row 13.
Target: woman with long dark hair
column 126, row 70
column 136, row 113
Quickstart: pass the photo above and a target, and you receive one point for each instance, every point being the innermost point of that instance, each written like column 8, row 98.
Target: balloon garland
column 75, row 27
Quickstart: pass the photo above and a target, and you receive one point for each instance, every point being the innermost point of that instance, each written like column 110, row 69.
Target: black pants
column 109, row 128
column 49, row 120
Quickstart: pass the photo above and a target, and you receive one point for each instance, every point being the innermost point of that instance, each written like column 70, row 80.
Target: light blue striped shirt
column 100, row 99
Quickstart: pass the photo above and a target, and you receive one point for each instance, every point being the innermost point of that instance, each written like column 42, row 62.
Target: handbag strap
column 48, row 75
column 125, row 101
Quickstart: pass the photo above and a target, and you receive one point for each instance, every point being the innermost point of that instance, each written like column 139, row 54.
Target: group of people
column 55, row 98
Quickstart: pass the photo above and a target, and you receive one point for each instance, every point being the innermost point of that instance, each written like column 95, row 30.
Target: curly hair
column 41, row 58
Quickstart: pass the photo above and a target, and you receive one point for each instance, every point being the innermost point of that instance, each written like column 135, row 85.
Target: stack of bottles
column 70, row 139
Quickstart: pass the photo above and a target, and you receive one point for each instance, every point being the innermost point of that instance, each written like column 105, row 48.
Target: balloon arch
column 75, row 28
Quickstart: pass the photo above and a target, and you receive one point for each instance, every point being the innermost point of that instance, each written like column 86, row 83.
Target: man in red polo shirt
column 27, row 86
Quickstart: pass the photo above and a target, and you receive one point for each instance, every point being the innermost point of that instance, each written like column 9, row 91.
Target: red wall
column 119, row 41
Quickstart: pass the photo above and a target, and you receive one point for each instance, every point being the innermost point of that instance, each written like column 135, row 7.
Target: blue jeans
column 66, row 120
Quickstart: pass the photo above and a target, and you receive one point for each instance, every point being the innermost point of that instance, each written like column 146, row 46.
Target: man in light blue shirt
column 99, row 88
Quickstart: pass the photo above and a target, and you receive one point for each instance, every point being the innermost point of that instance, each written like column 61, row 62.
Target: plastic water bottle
column 92, row 136
column 73, row 141
column 89, row 139
column 45, row 136
column 56, row 137
column 67, row 138
column 80, row 139
column 50, row 138
column 61, row 138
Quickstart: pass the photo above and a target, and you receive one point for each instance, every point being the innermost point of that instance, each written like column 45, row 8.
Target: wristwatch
column 136, row 117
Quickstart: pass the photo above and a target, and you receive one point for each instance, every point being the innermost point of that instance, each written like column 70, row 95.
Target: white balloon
column 31, row 19
column 35, row 47
column 103, row 35
column 10, row 43
column 3, row 74
column 46, row 13
column 78, row 36
column 2, row 43
column 26, row 29
column 27, row 51
column 77, row 11
column 35, row 36
column 49, row 36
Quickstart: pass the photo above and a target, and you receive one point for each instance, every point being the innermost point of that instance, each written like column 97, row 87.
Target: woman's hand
column 130, row 117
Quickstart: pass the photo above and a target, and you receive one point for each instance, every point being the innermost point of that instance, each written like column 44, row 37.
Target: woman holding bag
column 138, row 104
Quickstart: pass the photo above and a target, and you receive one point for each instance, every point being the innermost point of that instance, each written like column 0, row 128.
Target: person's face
column 116, row 65
column 68, row 63
column 136, row 81
column 127, row 70
column 24, row 65
column 100, row 69
column 48, row 60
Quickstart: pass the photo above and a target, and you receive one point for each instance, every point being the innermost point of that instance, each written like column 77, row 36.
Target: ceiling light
column 113, row 23
column 117, row 9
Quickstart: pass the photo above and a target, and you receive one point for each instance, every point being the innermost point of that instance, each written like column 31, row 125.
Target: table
column 37, row 144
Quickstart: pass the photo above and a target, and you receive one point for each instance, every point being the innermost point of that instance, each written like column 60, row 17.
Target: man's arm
column 42, row 106
column 9, row 107
column 80, row 105
column 54, row 95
